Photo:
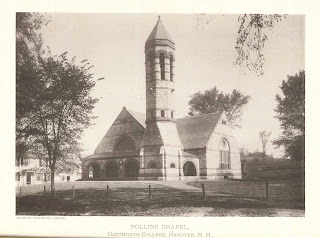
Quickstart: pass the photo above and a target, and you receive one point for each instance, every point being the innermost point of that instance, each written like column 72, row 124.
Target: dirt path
column 179, row 184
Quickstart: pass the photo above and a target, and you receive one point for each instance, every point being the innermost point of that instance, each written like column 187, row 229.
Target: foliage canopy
column 54, row 104
column 252, row 36
column 291, row 114
column 213, row 100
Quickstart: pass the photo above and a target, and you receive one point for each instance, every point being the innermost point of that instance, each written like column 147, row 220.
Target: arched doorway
column 189, row 169
column 112, row 170
column 132, row 169
column 94, row 171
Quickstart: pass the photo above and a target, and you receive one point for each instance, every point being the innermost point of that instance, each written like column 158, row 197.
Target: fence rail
column 256, row 190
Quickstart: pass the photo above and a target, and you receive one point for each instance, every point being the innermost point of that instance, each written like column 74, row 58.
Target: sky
column 114, row 44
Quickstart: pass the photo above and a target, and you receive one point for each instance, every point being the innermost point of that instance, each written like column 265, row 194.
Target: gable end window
column 162, row 113
column 224, row 149
column 124, row 145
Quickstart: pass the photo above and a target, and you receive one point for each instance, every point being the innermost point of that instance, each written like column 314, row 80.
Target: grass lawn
column 284, row 193
column 132, row 199
column 273, row 169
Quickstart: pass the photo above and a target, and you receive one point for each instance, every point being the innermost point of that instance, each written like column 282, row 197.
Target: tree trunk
column 52, row 183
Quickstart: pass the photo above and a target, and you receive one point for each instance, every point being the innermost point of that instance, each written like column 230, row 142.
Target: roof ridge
column 134, row 112
column 213, row 128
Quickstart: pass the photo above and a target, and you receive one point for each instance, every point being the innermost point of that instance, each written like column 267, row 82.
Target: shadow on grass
column 133, row 202
column 282, row 193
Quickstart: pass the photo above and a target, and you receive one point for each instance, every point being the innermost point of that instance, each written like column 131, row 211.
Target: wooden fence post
column 73, row 194
column 149, row 191
column 44, row 190
column 267, row 191
column 107, row 192
column 203, row 192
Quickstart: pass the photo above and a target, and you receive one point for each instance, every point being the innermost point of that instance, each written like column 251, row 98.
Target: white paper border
column 99, row 226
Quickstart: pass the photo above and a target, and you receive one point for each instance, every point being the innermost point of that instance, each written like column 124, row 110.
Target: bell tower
column 161, row 143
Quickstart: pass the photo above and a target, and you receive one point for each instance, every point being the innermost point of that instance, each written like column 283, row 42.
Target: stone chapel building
column 156, row 145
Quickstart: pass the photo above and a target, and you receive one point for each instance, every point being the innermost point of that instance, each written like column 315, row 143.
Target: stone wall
column 102, row 163
column 169, row 161
column 222, row 131
column 201, row 153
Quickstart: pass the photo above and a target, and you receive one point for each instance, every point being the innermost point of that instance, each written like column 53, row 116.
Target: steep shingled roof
column 159, row 32
column 140, row 117
column 194, row 132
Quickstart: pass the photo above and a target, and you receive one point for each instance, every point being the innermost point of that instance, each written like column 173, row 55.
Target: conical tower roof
column 159, row 32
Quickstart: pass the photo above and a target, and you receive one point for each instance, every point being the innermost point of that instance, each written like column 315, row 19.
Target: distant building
column 33, row 170
column 29, row 170
column 156, row 145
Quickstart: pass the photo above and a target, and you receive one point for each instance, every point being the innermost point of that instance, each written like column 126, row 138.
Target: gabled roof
column 140, row 117
column 112, row 132
column 195, row 131
column 159, row 32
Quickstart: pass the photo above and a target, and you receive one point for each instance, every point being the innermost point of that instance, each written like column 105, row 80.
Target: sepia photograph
column 188, row 115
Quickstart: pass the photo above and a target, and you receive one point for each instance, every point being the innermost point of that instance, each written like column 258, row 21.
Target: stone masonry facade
column 156, row 145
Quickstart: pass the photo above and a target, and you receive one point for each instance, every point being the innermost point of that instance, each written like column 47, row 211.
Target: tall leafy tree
column 28, row 48
column 61, row 109
column 53, row 102
column 291, row 114
column 213, row 100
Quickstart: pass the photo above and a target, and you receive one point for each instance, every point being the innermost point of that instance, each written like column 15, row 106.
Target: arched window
column 125, row 145
column 171, row 68
column 152, row 68
column 162, row 66
column 224, row 149
column 172, row 165
column 152, row 165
